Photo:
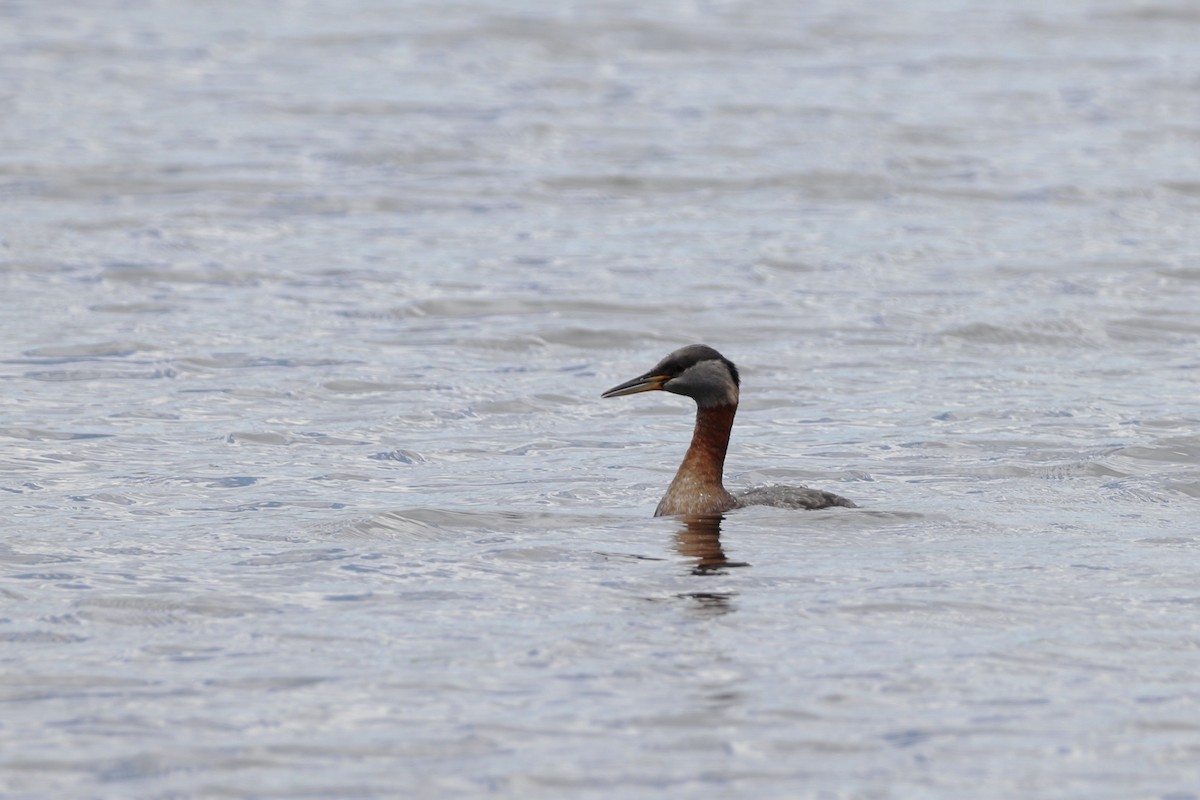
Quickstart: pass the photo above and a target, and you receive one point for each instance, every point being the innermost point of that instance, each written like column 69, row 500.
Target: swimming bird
column 701, row 373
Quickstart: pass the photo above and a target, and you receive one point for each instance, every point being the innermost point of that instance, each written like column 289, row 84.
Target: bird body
column 700, row 372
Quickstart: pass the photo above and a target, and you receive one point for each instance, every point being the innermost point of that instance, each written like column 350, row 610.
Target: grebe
column 701, row 373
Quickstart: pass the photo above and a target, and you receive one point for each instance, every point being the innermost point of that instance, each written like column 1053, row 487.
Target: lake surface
column 308, row 490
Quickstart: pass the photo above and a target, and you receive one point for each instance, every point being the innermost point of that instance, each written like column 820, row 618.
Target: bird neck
column 710, row 441
column 697, row 487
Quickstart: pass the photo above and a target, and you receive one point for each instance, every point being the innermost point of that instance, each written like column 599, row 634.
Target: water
column 308, row 489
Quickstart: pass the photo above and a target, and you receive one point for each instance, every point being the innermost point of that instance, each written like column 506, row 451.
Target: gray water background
column 308, row 490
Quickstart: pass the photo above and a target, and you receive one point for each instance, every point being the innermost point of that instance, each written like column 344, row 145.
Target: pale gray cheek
column 718, row 396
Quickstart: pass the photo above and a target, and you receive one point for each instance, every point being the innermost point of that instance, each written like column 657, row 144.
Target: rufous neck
column 705, row 459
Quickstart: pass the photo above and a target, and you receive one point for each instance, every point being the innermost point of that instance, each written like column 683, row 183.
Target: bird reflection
column 699, row 540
